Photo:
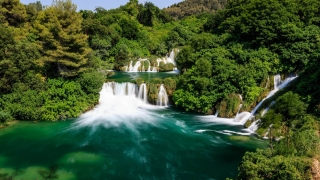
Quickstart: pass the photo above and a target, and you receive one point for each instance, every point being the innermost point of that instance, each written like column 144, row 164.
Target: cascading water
column 278, row 84
column 245, row 116
column 165, row 60
column 162, row 96
column 170, row 59
column 143, row 92
column 136, row 67
column 240, row 106
column 119, row 103
column 130, row 68
column 154, row 69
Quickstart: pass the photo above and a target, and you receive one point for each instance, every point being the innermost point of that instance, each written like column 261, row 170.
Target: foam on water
column 119, row 105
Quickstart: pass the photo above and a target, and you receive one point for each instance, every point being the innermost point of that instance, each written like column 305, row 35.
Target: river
column 125, row 138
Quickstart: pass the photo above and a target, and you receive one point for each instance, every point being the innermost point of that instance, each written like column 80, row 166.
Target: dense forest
column 54, row 59
column 194, row 7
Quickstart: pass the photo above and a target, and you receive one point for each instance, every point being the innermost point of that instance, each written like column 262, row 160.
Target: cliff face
column 194, row 7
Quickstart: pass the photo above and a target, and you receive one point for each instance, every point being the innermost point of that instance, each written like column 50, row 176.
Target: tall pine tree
column 62, row 42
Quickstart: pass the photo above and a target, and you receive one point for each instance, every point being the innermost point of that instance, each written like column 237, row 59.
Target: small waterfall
column 154, row 69
column 278, row 84
column 216, row 114
column 162, row 96
column 254, row 126
column 277, row 81
column 158, row 61
column 170, row 59
column 149, row 67
column 268, row 81
column 243, row 117
column 240, row 106
column 136, row 67
column 130, row 66
column 143, row 92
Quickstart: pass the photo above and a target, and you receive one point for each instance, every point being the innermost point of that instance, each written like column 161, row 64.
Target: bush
column 91, row 82
column 5, row 117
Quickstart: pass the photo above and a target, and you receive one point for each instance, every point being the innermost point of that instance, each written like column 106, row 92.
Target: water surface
column 165, row 144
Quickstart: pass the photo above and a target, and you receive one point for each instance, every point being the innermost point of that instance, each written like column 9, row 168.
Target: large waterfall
column 120, row 103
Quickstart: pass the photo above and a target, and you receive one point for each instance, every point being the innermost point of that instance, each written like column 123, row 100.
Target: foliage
column 4, row 118
column 264, row 164
column 194, row 7
column 62, row 42
column 91, row 82
column 229, row 106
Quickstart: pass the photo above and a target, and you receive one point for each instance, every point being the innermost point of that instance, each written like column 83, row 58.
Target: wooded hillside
column 194, row 7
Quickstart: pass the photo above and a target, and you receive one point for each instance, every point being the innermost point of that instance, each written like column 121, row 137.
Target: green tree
column 63, row 44
column 12, row 13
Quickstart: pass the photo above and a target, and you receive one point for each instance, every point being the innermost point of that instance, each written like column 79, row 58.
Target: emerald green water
column 171, row 147
column 124, row 138
column 129, row 77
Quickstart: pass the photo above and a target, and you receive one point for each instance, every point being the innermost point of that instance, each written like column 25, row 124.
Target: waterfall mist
column 120, row 104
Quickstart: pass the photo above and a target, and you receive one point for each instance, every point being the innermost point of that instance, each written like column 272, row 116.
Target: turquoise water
column 125, row 138
column 130, row 77
column 173, row 146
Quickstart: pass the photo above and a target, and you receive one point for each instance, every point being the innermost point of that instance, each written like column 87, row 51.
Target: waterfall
column 143, row 92
column 170, row 59
column 240, row 106
column 216, row 114
column 130, row 66
column 149, row 67
column 278, row 84
column 162, row 97
column 158, row 61
column 123, row 89
column 267, row 84
column 136, row 67
column 254, row 126
column 277, row 81
column 154, row 69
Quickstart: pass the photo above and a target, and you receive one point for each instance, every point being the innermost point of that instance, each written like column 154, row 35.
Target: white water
column 143, row 93
column 165, row 60
column 243, row 117
column 278, row 84
column 136, row 67
column 240, row 106
column 162, row 96
column 120, row 104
